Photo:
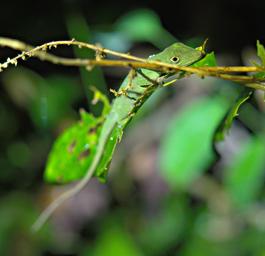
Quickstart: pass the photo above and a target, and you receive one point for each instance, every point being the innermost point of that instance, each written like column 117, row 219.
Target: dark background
column 229, row 25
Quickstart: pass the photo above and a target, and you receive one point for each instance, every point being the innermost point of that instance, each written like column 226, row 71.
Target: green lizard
column 134, row 91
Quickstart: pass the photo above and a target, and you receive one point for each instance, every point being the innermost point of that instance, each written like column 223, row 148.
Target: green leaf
column 73, row 151
column 244, row 177
column 225, row 126
column 261, row 52
column 208, row 61
column 186, row 149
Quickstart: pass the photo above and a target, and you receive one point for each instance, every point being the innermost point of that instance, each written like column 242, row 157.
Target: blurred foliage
column 16, row 215
column 168, row 194
column 46, row 100
column 186, row 149
column 141, row 25
column 79, row 30
column 245, row 176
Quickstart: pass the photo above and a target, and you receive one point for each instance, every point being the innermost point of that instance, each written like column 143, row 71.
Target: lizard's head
column 179, row 54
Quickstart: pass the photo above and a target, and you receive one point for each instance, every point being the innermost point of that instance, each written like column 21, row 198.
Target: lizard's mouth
column 166, row 77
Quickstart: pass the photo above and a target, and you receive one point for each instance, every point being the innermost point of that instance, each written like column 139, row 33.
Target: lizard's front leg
column 124, row 91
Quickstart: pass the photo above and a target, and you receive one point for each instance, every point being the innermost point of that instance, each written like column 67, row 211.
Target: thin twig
column 130, row 62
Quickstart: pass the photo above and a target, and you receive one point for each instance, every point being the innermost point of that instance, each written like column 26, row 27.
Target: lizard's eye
column 175, row 59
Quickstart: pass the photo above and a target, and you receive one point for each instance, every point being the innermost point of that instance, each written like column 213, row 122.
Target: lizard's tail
column 63, row 197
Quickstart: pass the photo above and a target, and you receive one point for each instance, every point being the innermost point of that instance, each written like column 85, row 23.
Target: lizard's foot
column 120, row 92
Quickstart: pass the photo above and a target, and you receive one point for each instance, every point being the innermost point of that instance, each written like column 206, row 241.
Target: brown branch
column 130, row 62
column 234, row 69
